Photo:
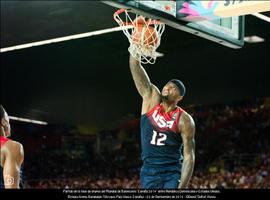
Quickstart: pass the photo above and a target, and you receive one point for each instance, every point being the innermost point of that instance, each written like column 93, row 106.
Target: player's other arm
column 12, row 165
column 187, row 133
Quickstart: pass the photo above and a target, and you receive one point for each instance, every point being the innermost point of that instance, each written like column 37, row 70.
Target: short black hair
column 180, row 85
column 2, row 111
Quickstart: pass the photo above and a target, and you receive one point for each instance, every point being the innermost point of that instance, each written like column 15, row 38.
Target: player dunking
column 165, row 130
column 12, row 155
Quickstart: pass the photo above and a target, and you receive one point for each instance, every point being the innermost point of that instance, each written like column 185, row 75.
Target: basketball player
column 12, row 155
column 165, row 130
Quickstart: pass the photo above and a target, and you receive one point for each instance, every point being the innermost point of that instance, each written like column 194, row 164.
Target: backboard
column 226, row 31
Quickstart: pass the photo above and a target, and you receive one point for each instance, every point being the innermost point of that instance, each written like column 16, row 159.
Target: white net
column 144, row 35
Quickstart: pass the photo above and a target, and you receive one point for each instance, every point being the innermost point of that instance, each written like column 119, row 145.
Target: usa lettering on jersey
column 160, row 120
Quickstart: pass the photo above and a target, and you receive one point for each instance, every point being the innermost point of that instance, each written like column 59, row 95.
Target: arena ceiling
column 87, row 81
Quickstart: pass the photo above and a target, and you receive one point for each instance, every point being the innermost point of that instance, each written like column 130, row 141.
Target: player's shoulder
column 14, row 147
column 186, row 119
column 186, row 115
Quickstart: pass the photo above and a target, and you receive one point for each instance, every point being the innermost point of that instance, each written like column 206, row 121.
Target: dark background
column 87, row 81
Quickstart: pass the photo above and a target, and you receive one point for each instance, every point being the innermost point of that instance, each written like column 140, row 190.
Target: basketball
column 145, row 35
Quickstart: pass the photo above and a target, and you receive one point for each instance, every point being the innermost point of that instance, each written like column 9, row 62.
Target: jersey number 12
column 158, row 138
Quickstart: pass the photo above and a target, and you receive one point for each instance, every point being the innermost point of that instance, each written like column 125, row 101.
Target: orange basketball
column 144, row 34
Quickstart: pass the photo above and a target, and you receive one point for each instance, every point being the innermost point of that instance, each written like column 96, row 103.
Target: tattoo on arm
column 140, row 77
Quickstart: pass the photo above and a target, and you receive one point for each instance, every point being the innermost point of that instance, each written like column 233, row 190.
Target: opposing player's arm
column 187, row 132
column 145, row 88
column 12, row 165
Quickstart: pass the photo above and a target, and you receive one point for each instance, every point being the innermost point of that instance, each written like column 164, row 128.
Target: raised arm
column 148, row 91
column 187, row 133
column 140, row 77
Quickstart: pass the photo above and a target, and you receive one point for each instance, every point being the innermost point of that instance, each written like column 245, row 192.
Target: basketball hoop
column 143, row 34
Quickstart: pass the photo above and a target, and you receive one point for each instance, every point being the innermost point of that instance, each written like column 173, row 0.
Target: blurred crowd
column 232, row 151
column 85, row 182
column 242, row 178
column 245, row 177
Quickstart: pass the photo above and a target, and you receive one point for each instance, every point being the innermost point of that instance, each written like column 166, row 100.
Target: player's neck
column 168, row 107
